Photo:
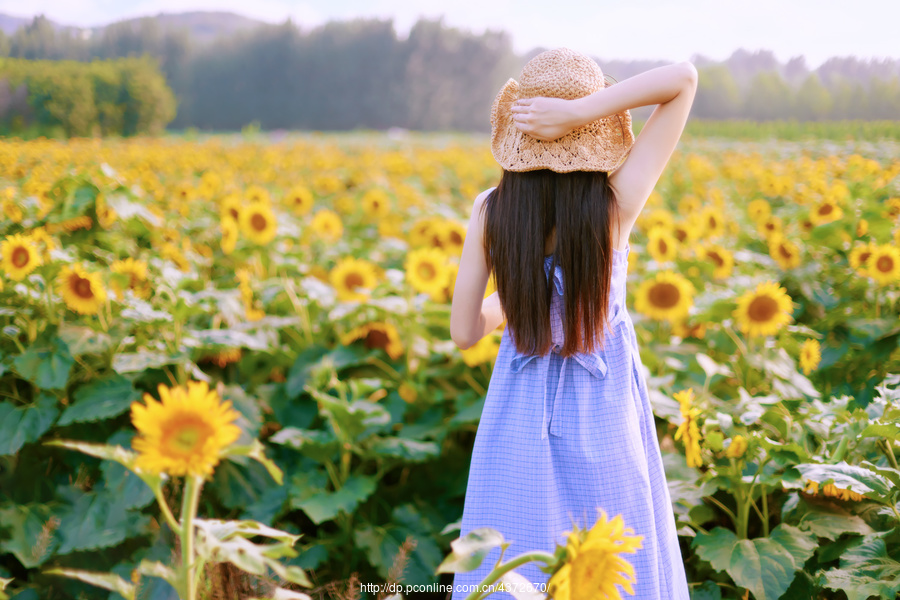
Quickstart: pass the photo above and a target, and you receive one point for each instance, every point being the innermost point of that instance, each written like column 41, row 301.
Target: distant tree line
column 105, row 97
column 360, row 74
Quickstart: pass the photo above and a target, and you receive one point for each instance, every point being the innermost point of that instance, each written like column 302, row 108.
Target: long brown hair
column 520, row 215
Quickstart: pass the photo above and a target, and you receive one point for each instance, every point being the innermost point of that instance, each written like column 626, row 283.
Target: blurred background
column 221, row 65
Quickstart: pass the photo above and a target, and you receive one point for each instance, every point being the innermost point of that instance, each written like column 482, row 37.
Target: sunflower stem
column 498, row 572
column 190, row 500
column 888, row 450
column 166, row 511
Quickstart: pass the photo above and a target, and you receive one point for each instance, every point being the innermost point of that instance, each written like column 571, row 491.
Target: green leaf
column 831, row 524
column 84, row 340
column 383, row 543
column 858, row 586
column 468, row 551
column 107, row 581
column 97, row 520
column 708, row 591
column 324, row 506
column 301, row 369
column 46, row 365
column 100, row 399
column 763, row 566
column 124, row 457
column 845, row 476
column 257, row 452
column 715, row 547
column 889, row 431
column 800, row 544
column 319, row 445
column 227, row 541
column 406, row 449
column 23, row 538
column 24, row 424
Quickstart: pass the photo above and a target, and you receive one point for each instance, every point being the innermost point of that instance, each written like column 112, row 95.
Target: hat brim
column 601, row 145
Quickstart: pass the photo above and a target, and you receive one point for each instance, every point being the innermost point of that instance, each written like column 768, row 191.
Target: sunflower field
column 289, row 296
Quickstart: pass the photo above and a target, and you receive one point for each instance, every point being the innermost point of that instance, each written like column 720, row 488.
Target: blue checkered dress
column 560, row 437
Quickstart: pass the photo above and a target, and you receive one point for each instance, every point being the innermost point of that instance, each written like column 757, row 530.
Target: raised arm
column 671, row 87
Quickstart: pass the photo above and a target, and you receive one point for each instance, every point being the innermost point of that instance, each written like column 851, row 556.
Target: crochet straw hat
column 601, row 145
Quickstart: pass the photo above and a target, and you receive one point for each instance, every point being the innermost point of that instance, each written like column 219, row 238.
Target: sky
column 668, row 30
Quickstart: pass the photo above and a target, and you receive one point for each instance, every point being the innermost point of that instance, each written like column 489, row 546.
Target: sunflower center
column 762, row 308
column 784, row 251
column 712, row 222
column 664, row 295
column 258, row 222
column 716, row 258
column 376, row 338
column 825, row 209
column 426, row 271
column 186, row 435
column 590, row 571
column 20, row 257
column 353, row 281
column 234, row 213
column 456, row 239
column 82, row 287
column 884, row 264
column 663, row 246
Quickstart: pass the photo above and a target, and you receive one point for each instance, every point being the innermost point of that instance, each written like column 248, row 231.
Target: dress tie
column 592, row 361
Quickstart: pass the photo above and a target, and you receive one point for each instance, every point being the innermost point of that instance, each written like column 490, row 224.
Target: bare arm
column 472, row 316
column 672, row 87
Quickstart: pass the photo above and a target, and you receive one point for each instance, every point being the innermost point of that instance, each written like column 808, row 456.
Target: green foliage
column 127, row 96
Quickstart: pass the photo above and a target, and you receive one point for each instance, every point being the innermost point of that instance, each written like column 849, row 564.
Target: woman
column 567, row 426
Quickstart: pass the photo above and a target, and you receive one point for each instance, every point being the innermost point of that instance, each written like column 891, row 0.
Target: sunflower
column 230, row 232
column 593, row 564
column 737, row 447
column 326, row 224
column 257, row 194
column 391, row 225
column 257, row 222
column 20, row 256
column 769, row 226
column 134, row 273
column 862, row 227
column 376, row 203
column 453, row 236
column 353, row 279
column 810, row 355
column 662, row 245
column 686, row 231
column 785, row 252
column 658, row 218
column 883, row 264
column 378, row 335
column 765, row 310
column 859, row 257
column 82, row 292
column 829, row 489
column 689, row 430
column 759, row 209
column 712, row 221
column 106, row 215
column 689, row 204
column 422, row 232
column 184, row 433
column 720, row 257
column 230, row 207
column 668, row 296
column 300, row 199
column 483, row 351
column 825, row 212
column 426, row 271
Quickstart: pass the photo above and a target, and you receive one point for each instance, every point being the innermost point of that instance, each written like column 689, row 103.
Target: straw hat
column 601, row 145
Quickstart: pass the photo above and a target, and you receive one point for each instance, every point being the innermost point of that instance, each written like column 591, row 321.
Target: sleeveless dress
column 558, row 438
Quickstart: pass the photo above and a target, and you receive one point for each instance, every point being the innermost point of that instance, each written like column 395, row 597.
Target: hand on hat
column 546, row 119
